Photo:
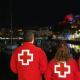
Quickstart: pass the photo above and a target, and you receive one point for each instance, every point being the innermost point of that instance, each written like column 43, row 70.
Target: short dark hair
column 28, row 35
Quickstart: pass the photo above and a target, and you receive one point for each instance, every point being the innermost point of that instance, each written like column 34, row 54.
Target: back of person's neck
column 31, row 42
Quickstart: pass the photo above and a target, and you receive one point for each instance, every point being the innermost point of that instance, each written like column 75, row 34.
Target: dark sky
column 36, row 13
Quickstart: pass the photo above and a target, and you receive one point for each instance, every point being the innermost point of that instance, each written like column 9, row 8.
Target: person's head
column 29, row 36
column 62, row 53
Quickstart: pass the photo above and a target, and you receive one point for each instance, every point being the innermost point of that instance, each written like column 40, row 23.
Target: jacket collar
column 27, row 43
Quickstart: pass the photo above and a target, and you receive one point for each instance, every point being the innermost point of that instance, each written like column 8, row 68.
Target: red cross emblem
column 62, row 69
column 25, row 57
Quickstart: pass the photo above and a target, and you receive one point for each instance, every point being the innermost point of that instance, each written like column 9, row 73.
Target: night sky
column 36, row 12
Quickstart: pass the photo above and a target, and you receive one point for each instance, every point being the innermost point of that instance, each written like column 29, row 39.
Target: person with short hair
column 28, row 61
